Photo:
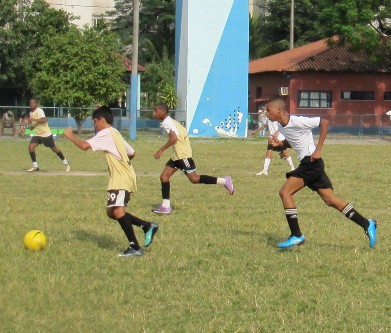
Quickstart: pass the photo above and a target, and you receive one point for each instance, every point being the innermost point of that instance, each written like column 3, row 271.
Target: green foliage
column 79, row 68
column 158, row 80
column 363, row 25
column 156, row 25
column 213, row 266
column 272, row 29
column 169, row 96
column 24, row 26
column 255, row 43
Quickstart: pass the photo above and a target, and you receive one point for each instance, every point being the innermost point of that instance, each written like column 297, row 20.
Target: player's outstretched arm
column 83, row 145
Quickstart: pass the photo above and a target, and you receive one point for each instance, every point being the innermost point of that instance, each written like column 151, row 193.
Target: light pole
column 134, row 76
column 292, row 27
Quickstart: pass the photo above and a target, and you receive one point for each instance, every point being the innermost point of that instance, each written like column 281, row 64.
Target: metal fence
column 60, row 117
column 344, row 124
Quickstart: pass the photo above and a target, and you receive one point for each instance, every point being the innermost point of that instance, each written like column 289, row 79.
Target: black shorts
column 118, row 198
column 312, row 173
column 187, row 165
column 8, row 124
column 278, row 148
column 48, row 141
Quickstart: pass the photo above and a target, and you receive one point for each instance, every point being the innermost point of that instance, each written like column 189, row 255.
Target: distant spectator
column 23, row 123
column 8, row 121
column 262, row 120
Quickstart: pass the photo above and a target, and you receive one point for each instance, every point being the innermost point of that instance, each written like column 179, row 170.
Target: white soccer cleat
column 33, row 169
column 67, row 167
column 260, row 173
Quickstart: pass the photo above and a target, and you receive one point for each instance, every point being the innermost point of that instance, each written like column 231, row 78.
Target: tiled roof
column 317, row 56
column 128, row 65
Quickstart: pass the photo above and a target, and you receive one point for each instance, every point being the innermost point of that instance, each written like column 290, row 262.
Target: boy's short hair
column 280, row 101
column 104, row 112
column 162, row 106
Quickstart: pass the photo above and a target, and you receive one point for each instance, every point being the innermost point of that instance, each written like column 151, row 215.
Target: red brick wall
column 379, row 83
column 345, row 112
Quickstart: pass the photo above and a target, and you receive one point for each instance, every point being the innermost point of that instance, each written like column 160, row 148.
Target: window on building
column 387, row 96
column 358, row 95
column 98, row 20
column 314, row 99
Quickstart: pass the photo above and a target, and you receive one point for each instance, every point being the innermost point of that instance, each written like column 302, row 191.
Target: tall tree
column 158, row 80
column 274, row 26
column 24, row 26
column 79, row 69
column 362, row 24
column 157, row 27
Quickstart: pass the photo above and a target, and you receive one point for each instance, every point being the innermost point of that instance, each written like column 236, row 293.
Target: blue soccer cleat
column 371, row 232
column 149, row 235
column 292, row 241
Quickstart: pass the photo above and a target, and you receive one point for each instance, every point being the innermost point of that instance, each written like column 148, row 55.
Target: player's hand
column 157, row 154
column 68, row 132
column 315, row 155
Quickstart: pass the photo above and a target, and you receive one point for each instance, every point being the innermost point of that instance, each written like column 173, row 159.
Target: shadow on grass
column 271, row 239
column 103, row 242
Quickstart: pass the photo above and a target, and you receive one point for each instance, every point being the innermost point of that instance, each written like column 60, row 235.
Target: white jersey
column 273, row 128
column 103, row 140
column 298, row 132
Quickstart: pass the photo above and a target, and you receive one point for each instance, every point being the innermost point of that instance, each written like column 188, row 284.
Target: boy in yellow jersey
column 122, row 181
column 178, row 139
column 43, row 134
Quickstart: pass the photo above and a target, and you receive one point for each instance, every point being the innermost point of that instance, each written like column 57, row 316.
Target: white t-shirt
column 169, row 125
column 103, row 140
column 298, row 132
column 273, row 128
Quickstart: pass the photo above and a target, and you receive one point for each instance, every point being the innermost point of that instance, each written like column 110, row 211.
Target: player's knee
column 329, row 202
column 110, row 214
column 283, row 193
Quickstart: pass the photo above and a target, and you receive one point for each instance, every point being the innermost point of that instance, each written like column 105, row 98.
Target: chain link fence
column 343, row 124
column 61, row 117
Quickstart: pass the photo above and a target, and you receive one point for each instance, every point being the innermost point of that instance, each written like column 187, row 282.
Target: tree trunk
column 79, row 125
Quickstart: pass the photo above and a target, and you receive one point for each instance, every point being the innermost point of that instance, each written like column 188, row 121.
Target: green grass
column 214, row 265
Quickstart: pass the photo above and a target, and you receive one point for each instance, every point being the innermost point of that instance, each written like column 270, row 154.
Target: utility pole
column 134, row 76
column 292, row 28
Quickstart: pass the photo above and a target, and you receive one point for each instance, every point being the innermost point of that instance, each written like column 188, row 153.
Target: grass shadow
column 103, row 242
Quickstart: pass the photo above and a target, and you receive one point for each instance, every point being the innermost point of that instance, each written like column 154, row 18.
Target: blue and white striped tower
column 212, row 54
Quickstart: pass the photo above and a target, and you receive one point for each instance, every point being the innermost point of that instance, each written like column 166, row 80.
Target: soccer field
column 214, row 265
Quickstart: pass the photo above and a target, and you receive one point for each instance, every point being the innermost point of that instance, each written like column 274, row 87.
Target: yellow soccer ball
column 35, row 240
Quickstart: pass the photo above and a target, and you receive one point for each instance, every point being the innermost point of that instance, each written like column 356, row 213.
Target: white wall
column 86, row 10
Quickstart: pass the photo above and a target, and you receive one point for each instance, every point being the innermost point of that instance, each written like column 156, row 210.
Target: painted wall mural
column 212, row 66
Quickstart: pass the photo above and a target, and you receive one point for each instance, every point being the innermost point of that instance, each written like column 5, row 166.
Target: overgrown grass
column 214, row 265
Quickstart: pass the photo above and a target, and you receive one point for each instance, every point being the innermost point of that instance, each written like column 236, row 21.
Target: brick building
column 323, row 79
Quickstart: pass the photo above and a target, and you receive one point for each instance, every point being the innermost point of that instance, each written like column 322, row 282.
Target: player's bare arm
column 273, row 140
column 260, row 128
column 83, row 145
column 324, row 125
column 172, row 139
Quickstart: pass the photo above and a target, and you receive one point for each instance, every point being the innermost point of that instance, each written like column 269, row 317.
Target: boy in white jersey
column 273, row 129
column 311, row 171
column 178, row 139
column 43, row 135
column 122, row 180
